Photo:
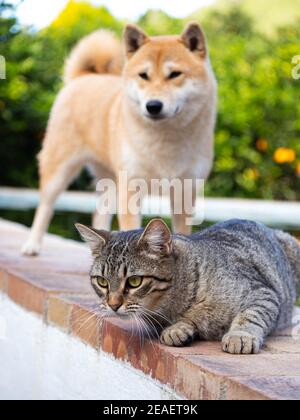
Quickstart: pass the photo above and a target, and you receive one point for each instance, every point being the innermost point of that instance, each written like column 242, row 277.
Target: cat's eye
column 102, row 282
column 135, row 282
column 175, row 74
column 144, row 76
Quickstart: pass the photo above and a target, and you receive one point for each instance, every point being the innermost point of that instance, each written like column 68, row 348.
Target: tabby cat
column 235, row 282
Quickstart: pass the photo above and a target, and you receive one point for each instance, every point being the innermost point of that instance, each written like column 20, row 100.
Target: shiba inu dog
column 152, row 116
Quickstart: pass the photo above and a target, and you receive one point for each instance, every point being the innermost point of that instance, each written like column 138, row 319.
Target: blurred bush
column 259, row 109
column 258, row 130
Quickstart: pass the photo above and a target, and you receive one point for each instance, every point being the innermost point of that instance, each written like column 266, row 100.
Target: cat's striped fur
column 236, row 281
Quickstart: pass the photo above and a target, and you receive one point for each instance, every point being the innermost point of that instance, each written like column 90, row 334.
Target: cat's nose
column 115, row 301
column 115, row 307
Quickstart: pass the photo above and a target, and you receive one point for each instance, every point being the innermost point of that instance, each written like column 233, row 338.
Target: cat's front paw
column 178, row 335
column 241, row 342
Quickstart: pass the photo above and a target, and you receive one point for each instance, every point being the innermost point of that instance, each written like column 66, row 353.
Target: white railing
column 272, row 213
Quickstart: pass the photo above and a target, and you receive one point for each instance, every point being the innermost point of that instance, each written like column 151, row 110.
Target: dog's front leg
column 179, row 223
column 129, row 212
column 182, row 205
column 55, row 177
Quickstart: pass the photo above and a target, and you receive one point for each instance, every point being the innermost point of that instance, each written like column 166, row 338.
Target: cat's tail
column 292, row 249
column 99, row 53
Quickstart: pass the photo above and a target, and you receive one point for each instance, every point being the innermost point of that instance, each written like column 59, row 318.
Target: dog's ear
column 194, row 39
column 157, row 238
column 96, row 239
column 133, row 38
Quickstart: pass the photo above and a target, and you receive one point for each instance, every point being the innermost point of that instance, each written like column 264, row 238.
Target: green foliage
column 156, row 22
column 258, row 100
column 267, row 15
column 259, row 107
column 19, row 120
column 79, row 19
column 34, row 68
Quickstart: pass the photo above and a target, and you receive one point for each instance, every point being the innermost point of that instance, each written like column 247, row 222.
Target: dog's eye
column 175, row 74
column 135, row 282
column 102, row 282
column 144, row 76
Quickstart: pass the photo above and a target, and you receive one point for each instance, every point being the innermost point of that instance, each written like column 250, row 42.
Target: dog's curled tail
column 99, row 53
column 292, row 249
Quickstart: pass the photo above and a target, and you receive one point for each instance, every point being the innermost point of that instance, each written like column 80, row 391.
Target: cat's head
column 132, row 271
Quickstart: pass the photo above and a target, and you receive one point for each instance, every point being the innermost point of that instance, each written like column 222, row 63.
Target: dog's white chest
column 161, row 160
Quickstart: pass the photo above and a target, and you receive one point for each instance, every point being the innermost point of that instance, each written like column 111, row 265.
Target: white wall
column 41, row 362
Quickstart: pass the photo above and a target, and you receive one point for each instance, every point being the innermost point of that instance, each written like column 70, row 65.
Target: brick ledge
column 55, row 286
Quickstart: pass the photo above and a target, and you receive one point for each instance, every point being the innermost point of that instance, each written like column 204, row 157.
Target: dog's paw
column 178, row 335
column 31, row 249
column 241, row 342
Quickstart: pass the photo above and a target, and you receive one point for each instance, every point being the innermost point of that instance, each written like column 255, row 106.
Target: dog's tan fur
column 99, row 118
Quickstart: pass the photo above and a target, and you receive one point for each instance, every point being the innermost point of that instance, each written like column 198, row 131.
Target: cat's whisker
column 138, row 324
column 87, row 321
column 151, row 323
column 147, row 332
column 131, row 316
column 90, row 334
column 147, row 319
column 92, row 330
column 141, row 332
column 159, row 314
column 94, row 310
column 151, row 317
column 104, row 317
column 132, row 312
column 156, row 313
column 84, row 317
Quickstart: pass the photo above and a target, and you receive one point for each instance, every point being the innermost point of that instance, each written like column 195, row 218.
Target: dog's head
column 167, row 77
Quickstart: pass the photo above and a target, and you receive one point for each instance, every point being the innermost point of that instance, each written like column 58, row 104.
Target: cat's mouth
column 122, row 313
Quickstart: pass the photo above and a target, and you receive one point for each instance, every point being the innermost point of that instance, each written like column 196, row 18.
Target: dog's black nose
column 154, row 107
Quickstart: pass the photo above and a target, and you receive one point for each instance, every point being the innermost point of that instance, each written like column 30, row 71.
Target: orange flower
column 298, row 169
column 262, row 145
column 284, row 155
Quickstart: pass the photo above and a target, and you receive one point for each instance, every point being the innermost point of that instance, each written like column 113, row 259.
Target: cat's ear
column 194, row 39
column 157, row 237
column 96, row 239
column 134, row 38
